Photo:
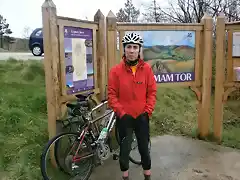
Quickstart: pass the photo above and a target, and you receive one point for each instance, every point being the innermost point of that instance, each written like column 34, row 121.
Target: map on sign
column 78, row 59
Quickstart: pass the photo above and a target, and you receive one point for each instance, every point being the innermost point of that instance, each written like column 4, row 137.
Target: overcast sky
column 30, row 13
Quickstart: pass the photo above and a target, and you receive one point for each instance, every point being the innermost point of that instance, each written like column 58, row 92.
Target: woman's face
column 132, row 51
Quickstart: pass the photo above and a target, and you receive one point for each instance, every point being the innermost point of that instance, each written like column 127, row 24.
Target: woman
column 132, row 96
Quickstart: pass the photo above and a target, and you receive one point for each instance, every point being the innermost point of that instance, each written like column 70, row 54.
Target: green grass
column 23, row 118
column 175, row 112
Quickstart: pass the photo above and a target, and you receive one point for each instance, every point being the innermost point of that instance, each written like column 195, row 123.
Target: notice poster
column 78, row 59
column 236, row 44
column 171, row 54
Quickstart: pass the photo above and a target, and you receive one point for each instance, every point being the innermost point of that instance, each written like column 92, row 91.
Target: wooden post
column 207, row 75
column 101, row 55
column 229, row 62
column 51, row 65
column 111, row 45
column 121, row 50
column 219, row 88
column 199, row 104
column 111, row 40
column 198, row 75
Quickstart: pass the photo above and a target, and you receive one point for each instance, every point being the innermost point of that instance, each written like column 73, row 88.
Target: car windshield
column 38, row 33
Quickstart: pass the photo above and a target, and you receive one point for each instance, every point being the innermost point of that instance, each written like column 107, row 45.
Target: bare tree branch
column 190, row 11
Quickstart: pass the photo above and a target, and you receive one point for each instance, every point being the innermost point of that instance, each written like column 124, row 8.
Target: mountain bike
column 74, row 121
column 88, row 149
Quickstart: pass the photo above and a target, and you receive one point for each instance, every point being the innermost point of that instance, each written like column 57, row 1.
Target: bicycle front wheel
column 134, row 156
column 78, row 158
column 71, row 126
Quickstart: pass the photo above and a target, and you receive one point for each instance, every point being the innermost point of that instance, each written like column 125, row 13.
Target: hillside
column 185, row 50
column 175, row 52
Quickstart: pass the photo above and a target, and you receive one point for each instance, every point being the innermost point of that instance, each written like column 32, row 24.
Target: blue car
column 36, row 42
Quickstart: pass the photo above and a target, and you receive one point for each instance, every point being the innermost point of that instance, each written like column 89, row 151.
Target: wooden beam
column 220, row 78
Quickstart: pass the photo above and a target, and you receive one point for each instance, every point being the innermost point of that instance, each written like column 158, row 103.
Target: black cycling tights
column 125, row 129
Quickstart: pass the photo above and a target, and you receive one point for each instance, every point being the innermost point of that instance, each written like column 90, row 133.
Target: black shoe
column 147, row 177
column 125, row 178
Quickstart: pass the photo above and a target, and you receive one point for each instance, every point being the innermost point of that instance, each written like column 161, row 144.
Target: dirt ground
column 180, row 158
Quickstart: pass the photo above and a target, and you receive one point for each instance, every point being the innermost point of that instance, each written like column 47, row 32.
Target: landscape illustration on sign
column 171, row 54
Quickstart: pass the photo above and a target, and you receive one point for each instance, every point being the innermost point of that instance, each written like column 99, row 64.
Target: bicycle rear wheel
column 132, row 157
column 80, row 169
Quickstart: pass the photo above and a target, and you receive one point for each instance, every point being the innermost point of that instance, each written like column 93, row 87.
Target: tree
column 4, row 29
column 26, row 32
column 129, row 13
column 152, row 13
column 122, row 16
column 192, row 11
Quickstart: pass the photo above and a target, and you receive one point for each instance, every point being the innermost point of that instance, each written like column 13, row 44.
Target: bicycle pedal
column 100, row 163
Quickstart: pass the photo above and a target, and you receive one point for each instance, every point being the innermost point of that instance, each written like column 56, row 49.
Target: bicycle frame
column 87, row 129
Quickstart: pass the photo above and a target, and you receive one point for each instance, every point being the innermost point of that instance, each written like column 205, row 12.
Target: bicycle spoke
column 75, row 159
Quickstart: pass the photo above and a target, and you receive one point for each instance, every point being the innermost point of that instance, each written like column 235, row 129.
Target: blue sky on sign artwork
column 167, row 38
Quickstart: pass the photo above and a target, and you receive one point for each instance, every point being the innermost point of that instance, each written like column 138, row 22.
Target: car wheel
column 37, row 51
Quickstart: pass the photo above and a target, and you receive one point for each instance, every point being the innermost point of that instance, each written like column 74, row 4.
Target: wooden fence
column 104, row 55
column 227, row 61
column 203, row 61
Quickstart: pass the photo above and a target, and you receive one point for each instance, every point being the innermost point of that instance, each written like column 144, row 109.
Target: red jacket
column 132, row 94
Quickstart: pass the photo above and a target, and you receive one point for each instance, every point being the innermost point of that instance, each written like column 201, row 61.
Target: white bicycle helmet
column 132, row 38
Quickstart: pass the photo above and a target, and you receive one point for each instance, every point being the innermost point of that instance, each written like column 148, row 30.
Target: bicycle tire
column 47, row 148
column 137, row 162
column 66, row 128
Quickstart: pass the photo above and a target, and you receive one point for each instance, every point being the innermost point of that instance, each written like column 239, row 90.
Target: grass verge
column 23, row 118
